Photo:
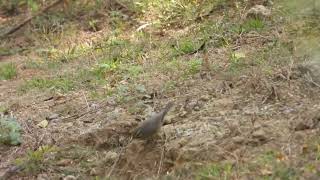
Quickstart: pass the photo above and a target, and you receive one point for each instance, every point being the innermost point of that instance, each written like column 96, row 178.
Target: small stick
column 161, row 158
column 115, row 163
column 85, row 98
column 30, row 18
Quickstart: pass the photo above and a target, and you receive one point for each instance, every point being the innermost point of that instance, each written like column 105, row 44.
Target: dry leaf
column 43, row 124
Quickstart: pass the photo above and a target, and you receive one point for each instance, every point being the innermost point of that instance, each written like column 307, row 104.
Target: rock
column 300, row 126
column 259, row 135
column 64, row 162
column 169, row 119
column 305, row 124
column 258, row 11
column 196, row 108
column 311, row 70
column 239, row 140
column 183, row 114
column 93, row 172
column 69, row 177
column 52, row 116
column 111, row 156
column 204, row 98
column 42, row 177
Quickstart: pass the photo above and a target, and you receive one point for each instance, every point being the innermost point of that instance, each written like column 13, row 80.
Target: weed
column 253, row 24
column 10, row 131
column 35, row 160
column 216, row 171
column 104, row 68
column 8, row 71
column 236, row 61
column 170, row 85
column 61, row 84
column 194, row 66
column 184, row 46
column 279, row 169
column 3, row 109
column 134, row 71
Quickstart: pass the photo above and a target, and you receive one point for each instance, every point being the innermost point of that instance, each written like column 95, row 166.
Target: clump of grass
column 10, row 131
column 252, row 24
column 236, row 61
column 184, row 46
column 34, row 161
column 216, row 171
column 63, row 84
column 193, row 66
column 272, row 161
column 8, row 71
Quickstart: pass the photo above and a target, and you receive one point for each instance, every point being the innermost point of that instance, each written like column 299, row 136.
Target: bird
column 152, row 125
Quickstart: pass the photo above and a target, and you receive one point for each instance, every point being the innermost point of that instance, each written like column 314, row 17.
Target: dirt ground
column 247, row 124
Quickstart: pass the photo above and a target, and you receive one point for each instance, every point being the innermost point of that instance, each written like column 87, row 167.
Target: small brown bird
column 153, row 124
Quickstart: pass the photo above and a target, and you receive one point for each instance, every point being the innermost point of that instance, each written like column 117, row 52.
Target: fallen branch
column 30, row 18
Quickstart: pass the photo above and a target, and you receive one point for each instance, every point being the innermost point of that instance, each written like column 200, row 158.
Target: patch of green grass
column 134, row 70
column 101, row 70
column 194, row 66
column 10, row 131
column 43, row 65
column 236, row 61
column 3, row 109
column 8, row 71
column 253, row 24
column 170, row 85
column 63, row 84
column 184, row 46
column 216, row 171
column 6, row 51
column 279, row 168
column 35, row 161
column 176, row 13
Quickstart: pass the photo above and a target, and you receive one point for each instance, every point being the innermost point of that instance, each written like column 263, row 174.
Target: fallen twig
column 30, row 18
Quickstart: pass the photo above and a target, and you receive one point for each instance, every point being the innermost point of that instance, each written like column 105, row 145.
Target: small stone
column 52, row 116
column 168, row 119
column 260, row 135
column 69, row 177
column 111, row 156
column 259, row 11
column 42, row 177
column 239, row 139
column 64, row 162
column 196, row 108
column 205, row 98
column 93, row 172
column 301, row 126
column 183, row 114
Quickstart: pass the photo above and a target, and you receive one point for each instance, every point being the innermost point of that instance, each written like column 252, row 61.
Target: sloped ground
column 242, row 109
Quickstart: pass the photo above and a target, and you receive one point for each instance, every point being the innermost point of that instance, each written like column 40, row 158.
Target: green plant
column 216, row 171
column 35, row 160
column 8, row 71
column 61, row 84
column 194, row 66
column 134, row 71
column 103, row 68
column 252, row 24
column 236, row 60
column 185, row 46
column 10, row 131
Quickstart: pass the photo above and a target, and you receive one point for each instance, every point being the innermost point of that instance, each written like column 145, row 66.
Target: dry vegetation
column 79, row 77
